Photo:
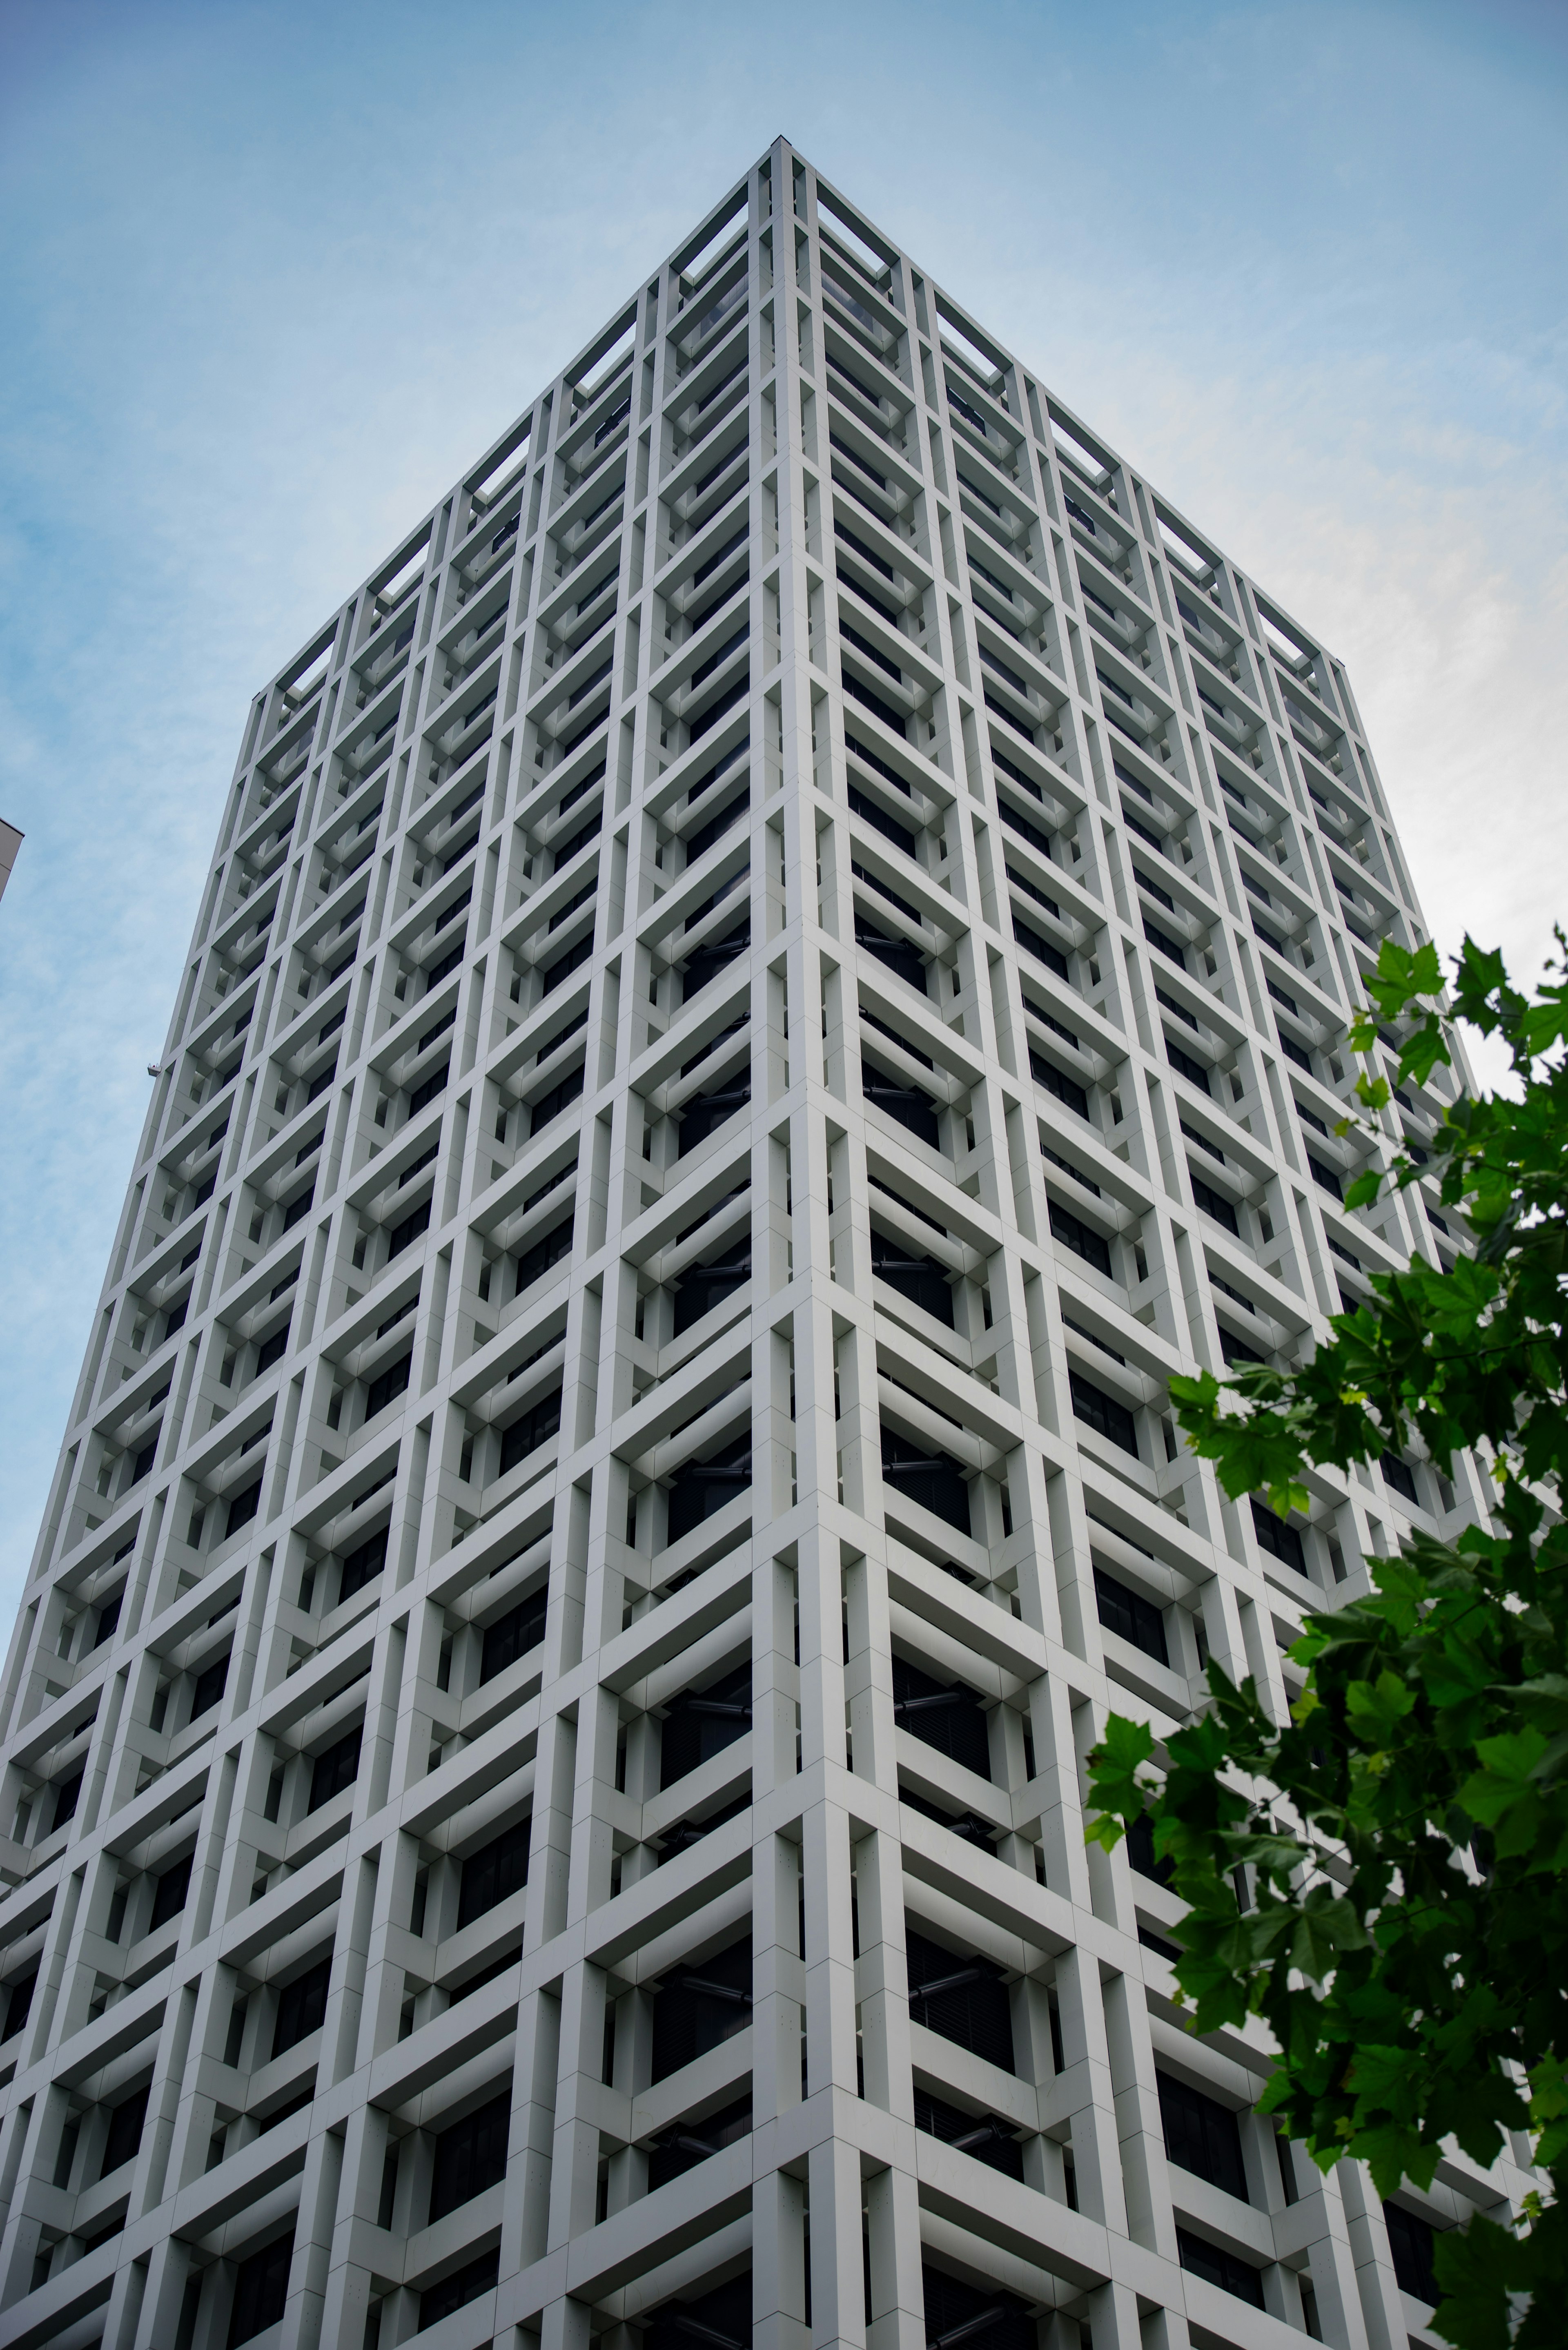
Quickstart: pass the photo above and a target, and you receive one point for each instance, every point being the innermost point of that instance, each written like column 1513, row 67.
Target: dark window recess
column 703, row 1286
column 1325, row 1176
column 302, row 2007
column 242, row 1508
column 298, row 1208
column 1030, row 939
column 272, row 1351
column 1219, row 2268
column 423, row 1095
column 471, row 2156
column 68, row 1795
column 142, row 1466
column 536, row 1260
column 1162, row 941
column 1161, row 897
column 175, row 1317
column 261, row 2290
column 899, row 954
column 1397, row 1473
column 722, row 2318
column 404, row 1235
column 362, row 1566
column 170, row 1893
column 873, row 813
column 957, row 2313
column 19, row 1998
column 698, row 843
column 335, row 1769
column 700, row 1723
column 913, row 1108
column 987, row 2139
column 705, row 963
column 497, row 1870
column 1104, row 1413
column 109, row 1621
column 945, row 1715
column 708, row 719
column 716, row 660
column 573, row 959
column 965, row 1999
column 563, row 914
column 705, row 1113
column 1212, row 1204
column 685, row 2144
column 548, row 1106
column 1201, row 2135
column 686, row 1832
column 874, row 702
column 1070, row 1231
column 125, row 2127
column 455, row 2292
column 1280, row 996
column 699, row 1489
column 1280, row 1540
column 319, row 1083
column 1130, row 1616
column 447, row 1020
column 525, row 1435
column 1235, row 1350
column 1293, row 1051
column 513, row 1635
column 388, row 1385
column 565, row 850
column 208, row 1687
column 1185, row 1065
column 1066, row 1089
column 1141, row 1853
column 699, row 2007
column 447, row 964
column 1021, row 825
column 930, row 1479
column 1412, row 2241
column 921, row 1279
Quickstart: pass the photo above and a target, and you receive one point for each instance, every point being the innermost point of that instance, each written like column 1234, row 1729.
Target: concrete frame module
column 765, row 982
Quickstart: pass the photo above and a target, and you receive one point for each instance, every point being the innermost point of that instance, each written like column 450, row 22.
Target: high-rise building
column 765, row 980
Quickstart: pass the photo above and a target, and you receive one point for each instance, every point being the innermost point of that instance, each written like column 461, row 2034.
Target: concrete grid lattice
column 765, row 982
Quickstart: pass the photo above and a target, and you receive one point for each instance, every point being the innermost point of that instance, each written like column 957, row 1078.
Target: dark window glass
column 705, row 963
column 1412, row 2241
column 1140, row 1849
column 702, row 1723
column 301, row 2007
column 1055, row 1081
column 1030, row 939
column 705, row 1113
column 513, row 1635
column 471, row 2156
column 1184, row 1064
column 536, row 1260
column 931, row 1479
column 242, row 1508
column 170, row 1893
column 913, row 1108
column 987, row 2139
column 208, row 1687
column 722, row 2318
column 702, row 2005
column 1293, row 1051
column 298, row 1208
column 703, row 1286
column 494, row 1871
column 68, row 1795
column 1131, row 1616
column 921, row 1279
column 455, row 2292
column 872, row 812
column 404, row 1235
column 698, row 843
column 900, row 955
column 1201, row 2135
column 1397, row 1473
column 1070, row 1231
column 142, row 1466
column 965, row 1999
column 1236, row 1350
column 550, row 1104
column 526, row 1433
column 699, row 1489
column 272, row 1351
column 109, row 1621
column 685, row 2144
column 943, row 1714
column 125, row 2124
column 423, row 1095
column 1104, row 1413
column 388, row 1385
column 1223, row 2269
column 1213, row 1203
column 957, row 2313
column 19, row 1999
column 261, row 2290
column 1281, row 1541
column 363, row 1564
column 337, row 1768
column 1324, row 1175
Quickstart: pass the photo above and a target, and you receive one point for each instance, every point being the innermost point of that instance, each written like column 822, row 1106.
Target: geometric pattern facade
column 765, row 982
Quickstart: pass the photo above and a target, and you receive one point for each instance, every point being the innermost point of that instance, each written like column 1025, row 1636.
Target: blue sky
column 271, row 276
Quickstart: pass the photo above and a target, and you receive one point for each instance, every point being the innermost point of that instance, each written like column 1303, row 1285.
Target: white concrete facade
column 539, row 1622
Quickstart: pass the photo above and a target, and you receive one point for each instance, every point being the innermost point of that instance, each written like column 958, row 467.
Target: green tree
column 1405, row 1834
